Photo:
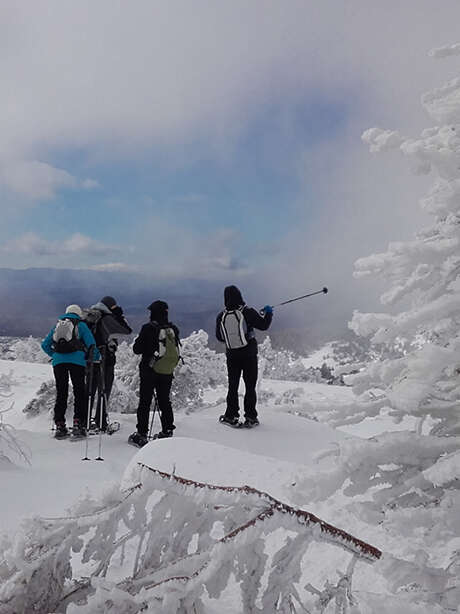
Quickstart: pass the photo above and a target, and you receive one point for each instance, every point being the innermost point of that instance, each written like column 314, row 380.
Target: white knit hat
column 75, row 309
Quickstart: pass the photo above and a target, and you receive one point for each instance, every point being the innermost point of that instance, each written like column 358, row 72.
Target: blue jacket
column 78, row 357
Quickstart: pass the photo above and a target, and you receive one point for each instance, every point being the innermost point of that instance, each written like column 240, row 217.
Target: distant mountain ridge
column 31, row 299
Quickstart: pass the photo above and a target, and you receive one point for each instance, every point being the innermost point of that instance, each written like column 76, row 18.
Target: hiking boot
column 61, row 431
column 250, row 422
column 233, row 421
column 164, row 434
column 78, row 431
column 137, row 439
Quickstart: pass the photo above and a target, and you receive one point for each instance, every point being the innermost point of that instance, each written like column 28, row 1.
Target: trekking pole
column 89, row 389
column 299, row 298
column 155, row 408
column 102, row 400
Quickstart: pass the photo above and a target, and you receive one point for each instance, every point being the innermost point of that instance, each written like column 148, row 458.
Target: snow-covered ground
column 280, row 458
column 267, row 458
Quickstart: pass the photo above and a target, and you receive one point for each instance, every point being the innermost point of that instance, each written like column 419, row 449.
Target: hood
column 232, row 297
column 159, row 312
column 108, row 301
column 101, row 307
column 70, row 316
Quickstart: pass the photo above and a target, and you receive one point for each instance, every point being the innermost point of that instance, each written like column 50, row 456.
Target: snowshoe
column 233, row 422
column 138, row 440
column 61, row 431
column 112, row 427
column 163, row 434
column 93, row 428
column 250, row 423
column 78, row 432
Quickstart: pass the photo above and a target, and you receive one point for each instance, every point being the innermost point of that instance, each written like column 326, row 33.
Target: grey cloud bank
column 113, row 80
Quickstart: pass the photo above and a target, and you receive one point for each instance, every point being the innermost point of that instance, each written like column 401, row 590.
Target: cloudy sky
column 213, row 139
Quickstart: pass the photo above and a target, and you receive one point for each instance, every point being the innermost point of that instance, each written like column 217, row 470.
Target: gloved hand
column 112, row 345
column 267, row 309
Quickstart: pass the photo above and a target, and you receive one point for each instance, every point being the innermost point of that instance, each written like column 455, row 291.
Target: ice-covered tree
column 423, row 274
column 409, row 480
column 10, row 448
column 200, row 368
column 169, row 544
column 27, row 349
column 282, row 364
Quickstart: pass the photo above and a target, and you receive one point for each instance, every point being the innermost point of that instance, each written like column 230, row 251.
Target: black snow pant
column 102, row 383
column 242, row 362
column 150, row 383
column 77, row 375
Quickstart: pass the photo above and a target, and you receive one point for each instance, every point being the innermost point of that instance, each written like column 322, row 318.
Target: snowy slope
column 268, row 457
column 279, row 457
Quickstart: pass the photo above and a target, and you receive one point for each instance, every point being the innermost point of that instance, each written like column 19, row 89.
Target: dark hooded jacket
column 233, row 299
column 111, row 323
column 147, row 343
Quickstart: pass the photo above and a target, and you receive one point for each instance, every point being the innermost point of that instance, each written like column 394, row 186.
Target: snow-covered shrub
column 122, row 400
column 289, row 397
column 28, row 350
column 10, row 448
column 200, row 368
column 44, row 400
column 211, row 536
column 284, row 365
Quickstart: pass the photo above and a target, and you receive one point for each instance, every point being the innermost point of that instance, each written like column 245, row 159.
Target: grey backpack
column 234, row 328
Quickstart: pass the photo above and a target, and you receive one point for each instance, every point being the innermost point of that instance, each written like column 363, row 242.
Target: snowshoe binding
column 250, row 423
column 163, row 434
column 61, row 431
column 138, row 440
column 78, row 432
column 112, row 427
column 233, row 422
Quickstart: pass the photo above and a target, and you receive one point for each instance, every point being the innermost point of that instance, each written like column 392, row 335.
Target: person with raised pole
column 235, row 327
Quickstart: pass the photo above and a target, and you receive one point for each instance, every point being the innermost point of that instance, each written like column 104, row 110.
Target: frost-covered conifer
column 200, row 368
column 284, row 365
column 27, row 349
column 10, row 448
column 423, row 275
column 409, row 480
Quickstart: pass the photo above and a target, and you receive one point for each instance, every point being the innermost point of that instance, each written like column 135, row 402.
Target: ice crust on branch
column 171, row 543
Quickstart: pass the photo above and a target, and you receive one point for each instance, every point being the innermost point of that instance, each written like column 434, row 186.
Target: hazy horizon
column 216, row 142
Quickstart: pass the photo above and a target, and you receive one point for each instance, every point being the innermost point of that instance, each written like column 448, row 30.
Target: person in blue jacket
column 69, row 356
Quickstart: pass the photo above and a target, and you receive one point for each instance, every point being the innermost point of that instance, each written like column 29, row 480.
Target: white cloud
column 116, row 267
column 115, row 77
column 171, row 250
column 30, row 244
column 90, row 184
column 34, row 180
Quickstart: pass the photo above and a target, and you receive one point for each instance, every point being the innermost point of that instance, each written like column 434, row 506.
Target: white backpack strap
column 223, row 329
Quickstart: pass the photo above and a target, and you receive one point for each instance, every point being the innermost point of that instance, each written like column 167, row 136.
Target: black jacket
column 147, row 342
column 112, row 322
column 253, row 320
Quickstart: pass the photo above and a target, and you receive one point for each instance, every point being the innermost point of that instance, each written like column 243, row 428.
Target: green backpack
column 168, row 352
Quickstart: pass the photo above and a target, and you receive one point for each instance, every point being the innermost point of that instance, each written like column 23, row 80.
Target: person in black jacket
column 109, row 322
column 147, row 345
column 235, row 327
